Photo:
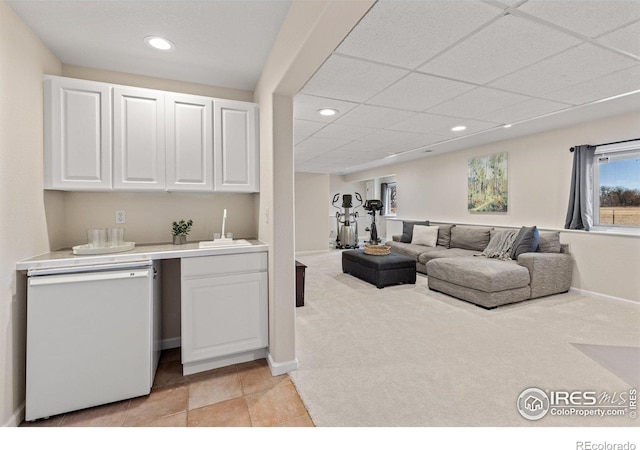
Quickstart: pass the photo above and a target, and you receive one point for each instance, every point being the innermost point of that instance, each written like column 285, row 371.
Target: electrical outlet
column 120, row 217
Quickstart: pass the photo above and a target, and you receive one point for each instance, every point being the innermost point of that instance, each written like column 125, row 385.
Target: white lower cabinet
column 224, row 310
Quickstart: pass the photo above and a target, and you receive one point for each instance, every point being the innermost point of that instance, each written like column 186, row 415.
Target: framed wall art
column 488, row 184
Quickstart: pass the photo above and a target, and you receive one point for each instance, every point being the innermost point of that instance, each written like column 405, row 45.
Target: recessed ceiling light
column 328, row 112
column 507, row 125
column 459, row 128
column 159, row 43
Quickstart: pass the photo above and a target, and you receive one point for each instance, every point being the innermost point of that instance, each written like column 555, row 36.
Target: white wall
column 312, row 228
column 435, row 188
column 23, row 228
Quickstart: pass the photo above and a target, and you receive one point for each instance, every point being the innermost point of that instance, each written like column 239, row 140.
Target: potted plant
column 180, row 230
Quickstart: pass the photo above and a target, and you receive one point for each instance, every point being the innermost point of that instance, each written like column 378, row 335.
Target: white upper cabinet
column 138, row 139
column 189, row 128
column 100, row 136
column 77, row 131
column 236, row 146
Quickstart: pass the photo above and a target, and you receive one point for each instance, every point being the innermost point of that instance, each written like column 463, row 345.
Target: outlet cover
column 120, row 217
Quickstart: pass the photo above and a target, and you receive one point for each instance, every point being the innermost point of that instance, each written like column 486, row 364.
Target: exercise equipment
column 347, row 221
column 371, row 206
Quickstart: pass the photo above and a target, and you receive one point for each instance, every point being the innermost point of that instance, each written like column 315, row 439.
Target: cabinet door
column 189, row 127
column 223, row 315
column 139, row 139
column 235, row 146
column 77, row 135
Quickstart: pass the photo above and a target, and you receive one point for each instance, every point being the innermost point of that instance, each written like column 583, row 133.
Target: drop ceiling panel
column 395, row 137
column 351, row 79
column 364, row 147
column 373, row 116
column 307, row 106
column 488, row 55
column 477, row 102
column 589, row 18
column 302, row 129
column 317, row 145
column 408, row 33
column 336, row 131
column 608, row 86
column 418, row 92
column 525, row 110
column 626, row 39
column 573, row 66
column 425, row 123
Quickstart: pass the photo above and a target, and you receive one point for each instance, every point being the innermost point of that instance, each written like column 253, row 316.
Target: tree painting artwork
column 488, row 186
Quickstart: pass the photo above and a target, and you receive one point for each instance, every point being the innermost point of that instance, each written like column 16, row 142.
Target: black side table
column 300, row 283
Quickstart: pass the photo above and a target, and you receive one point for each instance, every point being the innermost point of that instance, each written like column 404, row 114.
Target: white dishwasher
column 92, row 335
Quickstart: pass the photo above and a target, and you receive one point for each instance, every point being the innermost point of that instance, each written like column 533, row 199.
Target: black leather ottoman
column 378, row 270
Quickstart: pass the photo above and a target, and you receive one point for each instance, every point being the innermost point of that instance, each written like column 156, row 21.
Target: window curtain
column 580, row 211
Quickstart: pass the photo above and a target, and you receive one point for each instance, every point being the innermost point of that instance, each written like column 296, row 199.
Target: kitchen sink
column 224, row 243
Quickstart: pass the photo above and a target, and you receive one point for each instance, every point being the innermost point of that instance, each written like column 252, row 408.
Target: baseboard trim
column 190, row 368
column 281, row 368
column 603, row 296
column 16, row 418
column 169, row 343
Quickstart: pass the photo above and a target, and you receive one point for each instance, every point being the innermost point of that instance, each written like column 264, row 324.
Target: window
column 617, row 185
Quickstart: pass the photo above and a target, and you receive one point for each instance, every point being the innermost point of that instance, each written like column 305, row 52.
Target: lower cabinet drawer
column 224, row 264
column 223, row 315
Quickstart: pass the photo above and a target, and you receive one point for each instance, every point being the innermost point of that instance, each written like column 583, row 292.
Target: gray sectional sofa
column 456, row 266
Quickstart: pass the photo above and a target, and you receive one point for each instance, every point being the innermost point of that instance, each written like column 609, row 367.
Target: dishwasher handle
column 88, row 276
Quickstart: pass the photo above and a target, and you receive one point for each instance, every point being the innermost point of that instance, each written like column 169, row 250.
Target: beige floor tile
column 276, row 405
column 169, row 373
column 231, row 413
column 161, row 402
column 217, row 388
column 174, row 421
column 111, row 415
column 255, row 376
column 304, row 421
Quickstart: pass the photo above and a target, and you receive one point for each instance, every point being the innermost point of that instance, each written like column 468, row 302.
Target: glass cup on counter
column 216, row 236
column 229, row 235
column 115, row 237
column 97, row 237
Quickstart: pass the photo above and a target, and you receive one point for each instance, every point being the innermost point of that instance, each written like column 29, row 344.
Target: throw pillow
column 500, row 244
column 407, row 230
column 425, row 235
column 526, row 241
column 444, row 235
column 549, row 242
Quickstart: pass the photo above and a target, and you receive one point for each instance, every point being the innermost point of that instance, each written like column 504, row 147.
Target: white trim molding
column 282, row 367
column 16, row 418
column 168, row 343
column 604, row 296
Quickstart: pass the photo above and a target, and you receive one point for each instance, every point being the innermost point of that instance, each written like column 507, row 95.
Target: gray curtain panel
column 580, row 211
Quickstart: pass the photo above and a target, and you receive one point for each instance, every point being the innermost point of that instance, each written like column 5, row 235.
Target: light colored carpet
column 407, row 356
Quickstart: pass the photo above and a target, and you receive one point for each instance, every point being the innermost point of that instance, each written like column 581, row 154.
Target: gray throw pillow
column 407, row 230
column 526, row 241
column 549, row 242
column 444, row 235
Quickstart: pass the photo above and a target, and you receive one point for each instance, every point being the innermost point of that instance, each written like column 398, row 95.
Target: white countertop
column 66, row 258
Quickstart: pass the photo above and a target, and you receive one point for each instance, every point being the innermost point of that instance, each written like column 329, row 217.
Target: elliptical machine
column 347, row 222
column 371, row 206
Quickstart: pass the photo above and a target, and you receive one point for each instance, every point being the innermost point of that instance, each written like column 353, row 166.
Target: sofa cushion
column 526, row 241
column 444, row 235
column 412, row 250
column 425, row 235
column 549, row 242
column 407, row 230
column 470, row 238
column 443, row 252
column 478, row 272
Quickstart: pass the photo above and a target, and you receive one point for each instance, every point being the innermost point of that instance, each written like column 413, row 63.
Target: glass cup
column 229, row 235
column 97, row 237
column 216, row 236
column 115, row 237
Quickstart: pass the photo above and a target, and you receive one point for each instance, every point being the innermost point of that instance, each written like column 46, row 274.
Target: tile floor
column 242, row 395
